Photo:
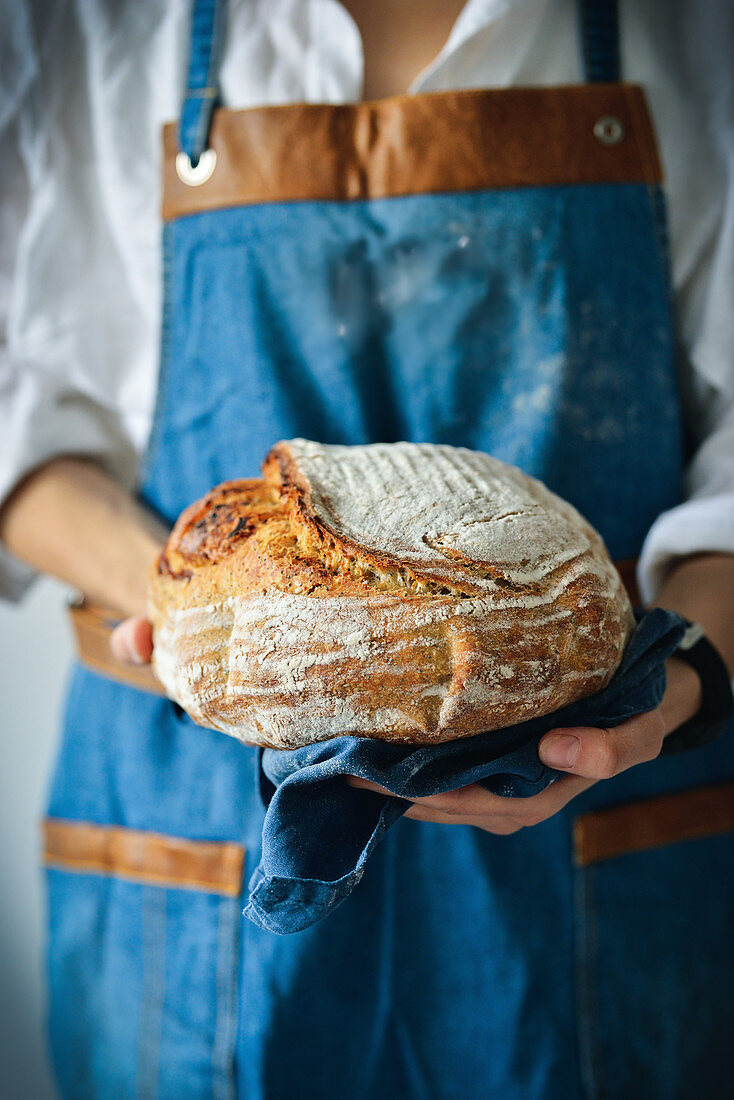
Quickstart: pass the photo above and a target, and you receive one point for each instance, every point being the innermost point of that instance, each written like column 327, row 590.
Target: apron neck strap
column 202, row 89
column 600, row 40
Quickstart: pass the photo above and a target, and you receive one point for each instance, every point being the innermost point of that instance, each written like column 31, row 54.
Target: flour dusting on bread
column 410, row 592
column 440, row 509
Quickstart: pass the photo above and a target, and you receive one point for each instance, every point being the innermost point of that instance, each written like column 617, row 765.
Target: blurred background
column 35, row 654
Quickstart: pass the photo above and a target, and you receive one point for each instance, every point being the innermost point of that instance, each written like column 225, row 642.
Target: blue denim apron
column 530, row 321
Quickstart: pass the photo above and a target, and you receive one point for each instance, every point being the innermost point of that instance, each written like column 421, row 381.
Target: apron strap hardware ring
column 195, row 174
column 608, row 130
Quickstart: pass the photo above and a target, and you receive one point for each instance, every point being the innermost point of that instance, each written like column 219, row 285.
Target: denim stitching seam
column 226, row 999
column 148, row 460
column 586, row 1003
column 151, row 1009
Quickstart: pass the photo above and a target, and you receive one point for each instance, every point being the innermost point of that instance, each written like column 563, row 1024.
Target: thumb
column 602, row 753
column 132, row 641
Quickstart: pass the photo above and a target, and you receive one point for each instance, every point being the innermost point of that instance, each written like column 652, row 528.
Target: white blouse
column 85, row 86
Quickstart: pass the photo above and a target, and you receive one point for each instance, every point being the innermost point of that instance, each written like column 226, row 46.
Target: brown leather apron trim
column 416, row 144
column 93, row 625
column 653, row 823
column 644, row 134
column 144, row 857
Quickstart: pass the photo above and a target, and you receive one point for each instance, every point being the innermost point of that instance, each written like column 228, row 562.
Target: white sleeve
column 57, row 273
column 705, row 521
column 700, row 169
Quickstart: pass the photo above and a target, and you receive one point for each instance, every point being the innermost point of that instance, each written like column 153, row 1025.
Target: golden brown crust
column 274, row 624
column 281, row 468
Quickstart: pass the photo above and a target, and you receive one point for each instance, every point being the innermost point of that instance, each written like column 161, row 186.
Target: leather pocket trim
column 653, row 823
column 215, row 867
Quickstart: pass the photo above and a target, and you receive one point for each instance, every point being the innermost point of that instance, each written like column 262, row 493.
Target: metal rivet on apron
column 608, row 130
column 194, row 176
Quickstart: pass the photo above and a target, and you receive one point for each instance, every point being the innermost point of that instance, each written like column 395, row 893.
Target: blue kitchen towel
column 319, row 832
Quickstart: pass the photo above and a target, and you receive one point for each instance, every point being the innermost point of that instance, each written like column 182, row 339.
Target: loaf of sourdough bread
column 408, row 592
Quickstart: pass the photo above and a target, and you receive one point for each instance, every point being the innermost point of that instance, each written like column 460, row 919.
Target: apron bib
column 480, row 268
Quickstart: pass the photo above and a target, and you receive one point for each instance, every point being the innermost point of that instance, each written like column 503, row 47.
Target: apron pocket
column 655, row 950
column 143, row 961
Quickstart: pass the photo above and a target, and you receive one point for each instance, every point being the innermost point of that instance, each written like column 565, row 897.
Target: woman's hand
column 132, row 641
column 586, row 754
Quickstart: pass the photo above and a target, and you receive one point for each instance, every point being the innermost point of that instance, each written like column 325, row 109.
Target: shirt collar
column 475, row 18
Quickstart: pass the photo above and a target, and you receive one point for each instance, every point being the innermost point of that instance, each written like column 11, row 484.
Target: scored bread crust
column 407, row 592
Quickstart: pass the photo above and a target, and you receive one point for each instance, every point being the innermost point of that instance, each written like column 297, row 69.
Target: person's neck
column 399, row 39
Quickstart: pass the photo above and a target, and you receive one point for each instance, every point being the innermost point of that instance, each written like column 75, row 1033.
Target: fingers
column 494, row 813
column 600, row 754
column 586, row 753
column 132, row 641
column 474, row 805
